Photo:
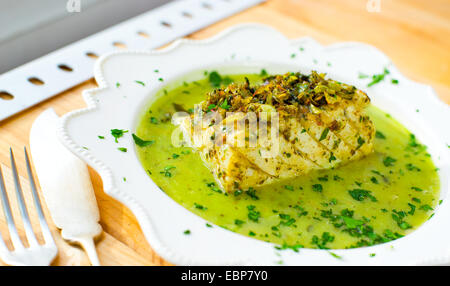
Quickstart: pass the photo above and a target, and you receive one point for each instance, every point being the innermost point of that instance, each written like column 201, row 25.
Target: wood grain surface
column 415, row 34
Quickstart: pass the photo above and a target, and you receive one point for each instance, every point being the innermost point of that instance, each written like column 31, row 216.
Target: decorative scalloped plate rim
column 163, row 220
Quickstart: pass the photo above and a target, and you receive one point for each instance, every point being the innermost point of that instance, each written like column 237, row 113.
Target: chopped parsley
column 411, row 167
column 216, row 80
column 389, row 161
column 167, row 170
column 200, row 207
column 213, row 187
column 122, row 149
column 361, row 142
column 322, row 242
column 335, row 255
column 426, row 208
column 140, row 142
column 140, row 82
column 225, row 105
column 118, row 133
column 253, row 214
column 324, row 134
column 288, row 187
column 252, row 193
column 376, row 78
column 238, row 222
column 332, row 157
column 317, row 188
column 379, row 135
column 294, row 247
column 361, row 195
column 398, row 217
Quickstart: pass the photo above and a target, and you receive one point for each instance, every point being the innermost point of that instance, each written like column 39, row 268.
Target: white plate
column 247, row 48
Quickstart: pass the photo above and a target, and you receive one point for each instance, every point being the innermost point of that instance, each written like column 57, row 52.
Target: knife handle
column 89, row 246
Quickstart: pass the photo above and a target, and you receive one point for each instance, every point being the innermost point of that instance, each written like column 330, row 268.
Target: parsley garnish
column 252, row 194
column 361, row 141
column 294, row 247
column 321, row 243
column 426, row 208
column 411, row 167
column 360, row 195
column 376, row 78
column 253, row 214
column 335, row 255
column 317, row 188
column 288, row 187
column 379, row 135
column 216, row 80
column 140, row 142
column 238, row 222
column 200, row 207
column 332, row 158
column 117, row 133
column 324, row 134
column 225, row 105
column 167, row 172
column 389, row 161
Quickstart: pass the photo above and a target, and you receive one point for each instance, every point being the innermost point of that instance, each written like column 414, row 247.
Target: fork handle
column 89, row 246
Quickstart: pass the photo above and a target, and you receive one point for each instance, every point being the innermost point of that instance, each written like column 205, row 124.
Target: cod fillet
column 310, row 123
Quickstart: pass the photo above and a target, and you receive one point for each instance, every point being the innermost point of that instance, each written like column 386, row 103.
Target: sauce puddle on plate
column 379, row 198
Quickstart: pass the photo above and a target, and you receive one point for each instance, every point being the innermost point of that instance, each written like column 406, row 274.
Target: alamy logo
column 73, row 6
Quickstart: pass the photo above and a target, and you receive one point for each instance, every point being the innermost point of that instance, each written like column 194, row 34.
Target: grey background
column 32, row 28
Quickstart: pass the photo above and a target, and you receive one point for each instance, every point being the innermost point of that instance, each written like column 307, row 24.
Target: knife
column 66, row 185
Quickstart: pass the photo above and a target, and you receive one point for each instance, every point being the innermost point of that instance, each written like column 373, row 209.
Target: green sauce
column 374, row 200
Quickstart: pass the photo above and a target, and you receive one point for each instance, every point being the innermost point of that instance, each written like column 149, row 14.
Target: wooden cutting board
column 415, row 34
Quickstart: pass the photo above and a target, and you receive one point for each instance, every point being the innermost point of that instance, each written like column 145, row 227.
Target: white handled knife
column 66, row 185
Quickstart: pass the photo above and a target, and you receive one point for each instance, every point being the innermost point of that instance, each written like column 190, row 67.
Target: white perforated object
column 147, row 31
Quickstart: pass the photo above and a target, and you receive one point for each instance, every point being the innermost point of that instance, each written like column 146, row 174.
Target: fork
column 36, row 254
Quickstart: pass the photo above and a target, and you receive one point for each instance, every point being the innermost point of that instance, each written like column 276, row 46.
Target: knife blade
column 66, row 185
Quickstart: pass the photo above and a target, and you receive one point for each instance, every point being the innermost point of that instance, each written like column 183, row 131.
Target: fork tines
column 35, row 254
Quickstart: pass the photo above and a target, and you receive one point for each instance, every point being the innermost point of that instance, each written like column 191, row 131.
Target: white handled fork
column 35, row 254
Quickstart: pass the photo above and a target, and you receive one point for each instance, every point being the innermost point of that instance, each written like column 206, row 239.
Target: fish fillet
column 311, row 123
